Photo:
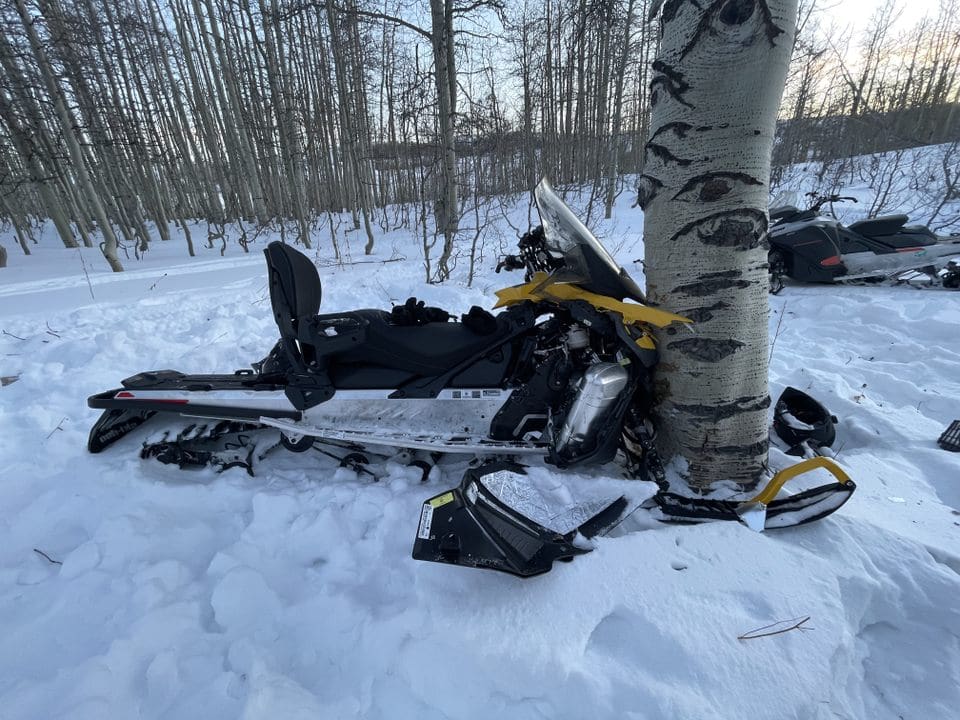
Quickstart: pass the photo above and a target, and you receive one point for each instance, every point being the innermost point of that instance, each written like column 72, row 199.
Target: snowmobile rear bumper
column 470, row 526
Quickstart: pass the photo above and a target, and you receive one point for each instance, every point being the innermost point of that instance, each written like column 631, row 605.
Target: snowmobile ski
column 764, row 511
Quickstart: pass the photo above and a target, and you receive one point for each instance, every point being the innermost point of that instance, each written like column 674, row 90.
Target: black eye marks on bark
column 712, row 186
column 719, row 15
column 669, row 80
column 740, row 229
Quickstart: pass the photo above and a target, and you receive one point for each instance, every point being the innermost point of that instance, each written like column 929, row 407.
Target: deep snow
column 293, row 594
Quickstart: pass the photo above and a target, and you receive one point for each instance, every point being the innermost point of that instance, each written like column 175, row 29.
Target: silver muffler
column 597, row 391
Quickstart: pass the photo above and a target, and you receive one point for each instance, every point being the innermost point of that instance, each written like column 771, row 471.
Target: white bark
column 715, row 92
column 73, row 145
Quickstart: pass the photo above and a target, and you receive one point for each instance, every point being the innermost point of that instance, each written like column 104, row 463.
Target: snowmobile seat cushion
column 905, row 239
column 425, row 350
column 295, row 289
column 920, row 230
column 879, row 226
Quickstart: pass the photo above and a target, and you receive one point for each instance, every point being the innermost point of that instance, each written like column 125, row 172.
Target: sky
column 857, row 13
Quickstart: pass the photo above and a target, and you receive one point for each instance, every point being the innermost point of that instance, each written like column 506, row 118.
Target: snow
column 292, row 594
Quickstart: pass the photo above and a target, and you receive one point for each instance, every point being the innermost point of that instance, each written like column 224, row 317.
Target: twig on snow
column 776, row 333
column 325, row 263
column 50, row 559
column 798, row 624
column 83, row 264
column 58, row 427
column 13, row 336
column 156, row 282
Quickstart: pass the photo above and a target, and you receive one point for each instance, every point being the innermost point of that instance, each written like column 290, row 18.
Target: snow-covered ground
column 293, row 594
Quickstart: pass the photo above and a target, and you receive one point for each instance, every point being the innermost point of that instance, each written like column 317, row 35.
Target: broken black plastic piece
column 468, row 525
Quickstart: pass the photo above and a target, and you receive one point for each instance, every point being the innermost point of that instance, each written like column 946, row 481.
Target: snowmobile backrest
column 295, row 289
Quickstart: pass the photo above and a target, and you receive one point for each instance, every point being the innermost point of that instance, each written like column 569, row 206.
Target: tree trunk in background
column 716, row 88
column 613, row 150
column 23, row 139
column 445, row 75
column 73, row 146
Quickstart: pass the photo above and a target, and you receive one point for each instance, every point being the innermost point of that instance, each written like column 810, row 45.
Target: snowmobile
column 812, row 246
column 562, row 376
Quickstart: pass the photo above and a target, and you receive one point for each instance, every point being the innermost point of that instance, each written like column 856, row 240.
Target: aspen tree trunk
column 715, row 92
column 441, row 40
column 20, row 224
column 613, row 156
column 232, row 96
column 22, row 138
column 73, row 146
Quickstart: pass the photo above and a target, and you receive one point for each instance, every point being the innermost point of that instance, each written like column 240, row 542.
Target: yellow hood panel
column 541, row 288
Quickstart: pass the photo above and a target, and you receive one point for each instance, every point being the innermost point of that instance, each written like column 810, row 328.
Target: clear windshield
column 585, row 259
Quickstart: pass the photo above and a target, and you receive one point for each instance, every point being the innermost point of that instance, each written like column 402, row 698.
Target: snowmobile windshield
column 586, row 262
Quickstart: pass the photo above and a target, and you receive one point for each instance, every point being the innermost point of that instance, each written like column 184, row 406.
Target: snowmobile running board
column 438, row 442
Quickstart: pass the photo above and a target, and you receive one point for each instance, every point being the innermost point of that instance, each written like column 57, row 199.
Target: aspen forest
column 121, row 120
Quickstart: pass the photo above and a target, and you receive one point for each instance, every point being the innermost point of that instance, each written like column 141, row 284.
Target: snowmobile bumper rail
column 470, row 526
column 763, row 512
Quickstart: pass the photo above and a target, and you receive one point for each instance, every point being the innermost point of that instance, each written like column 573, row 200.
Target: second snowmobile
column 561, row 375
column 812, row 246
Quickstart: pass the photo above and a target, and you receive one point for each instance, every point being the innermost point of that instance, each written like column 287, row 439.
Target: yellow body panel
column 542, row 288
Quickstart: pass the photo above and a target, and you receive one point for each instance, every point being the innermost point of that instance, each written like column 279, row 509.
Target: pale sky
column 857, row 13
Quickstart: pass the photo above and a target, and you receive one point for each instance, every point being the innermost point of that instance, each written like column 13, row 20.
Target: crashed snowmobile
column 561, row 375
column 812, row 246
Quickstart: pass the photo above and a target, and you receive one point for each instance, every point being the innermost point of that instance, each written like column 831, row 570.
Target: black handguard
column 510, row 262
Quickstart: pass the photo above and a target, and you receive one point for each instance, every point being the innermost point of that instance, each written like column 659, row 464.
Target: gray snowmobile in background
column 812, row 246
column 562, row 376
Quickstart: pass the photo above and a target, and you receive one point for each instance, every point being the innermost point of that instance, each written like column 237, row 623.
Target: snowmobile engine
column 597, row 391
column 577, row 338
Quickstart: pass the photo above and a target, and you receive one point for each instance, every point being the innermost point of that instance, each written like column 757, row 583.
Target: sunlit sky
column 855, row 14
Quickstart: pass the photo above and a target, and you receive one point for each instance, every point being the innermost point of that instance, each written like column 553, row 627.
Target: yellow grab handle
column 778, row 480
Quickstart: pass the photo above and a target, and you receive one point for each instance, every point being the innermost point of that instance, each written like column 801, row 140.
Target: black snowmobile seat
column 326, row 340
column 426, row 350
column 879, row 226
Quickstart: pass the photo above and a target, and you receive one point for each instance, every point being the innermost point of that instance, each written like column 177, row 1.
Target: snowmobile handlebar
column 533, row 255
column 820, row 200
